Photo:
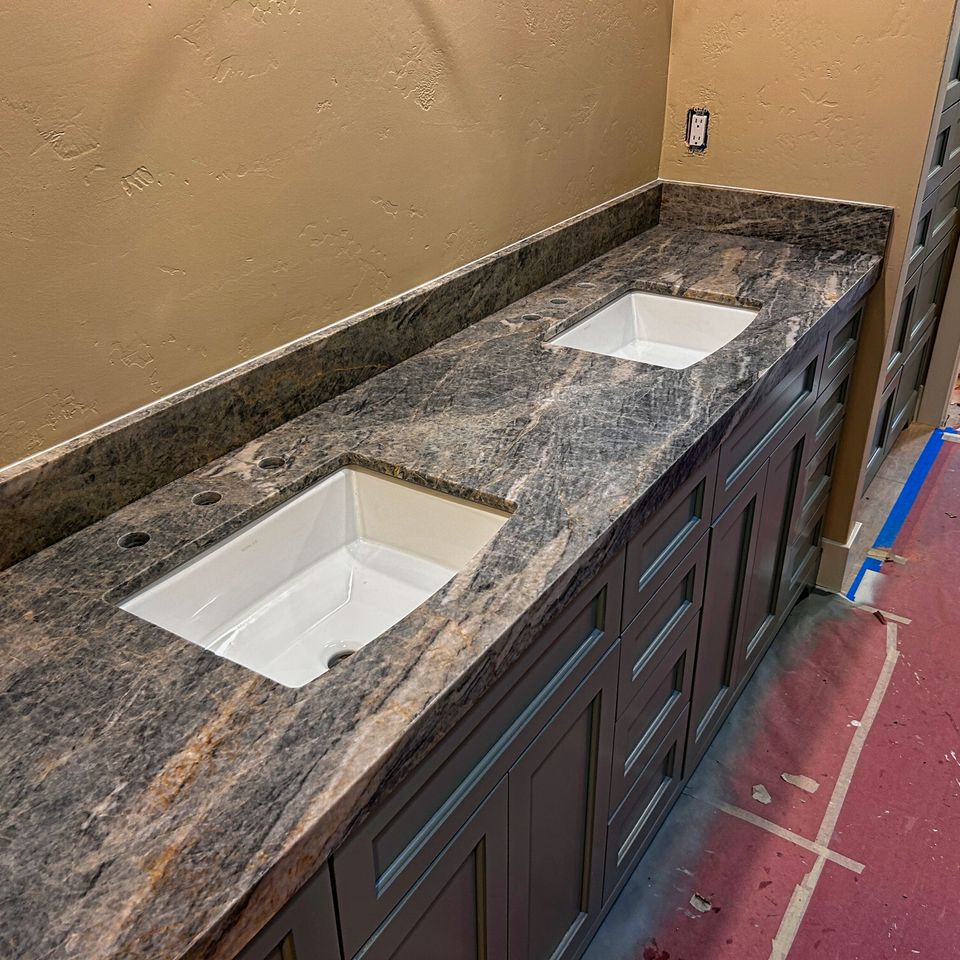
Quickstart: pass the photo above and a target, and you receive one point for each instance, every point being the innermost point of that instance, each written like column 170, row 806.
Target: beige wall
column 186, row 184
column 829, row 98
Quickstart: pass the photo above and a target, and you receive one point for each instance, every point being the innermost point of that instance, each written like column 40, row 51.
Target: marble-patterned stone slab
column 828, row 224
column 76, row 483
column 157, row 801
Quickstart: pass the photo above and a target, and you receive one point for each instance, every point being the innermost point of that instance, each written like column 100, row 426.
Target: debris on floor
column 702, row 904
column 761, row 794
column 802, row 782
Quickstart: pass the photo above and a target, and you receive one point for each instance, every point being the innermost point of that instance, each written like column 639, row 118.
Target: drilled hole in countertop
column 336, row 658
column 271, row 463
column 207, row 497
column 136, row 539
column 559, row 300
column 532, row 316
column 586, row 283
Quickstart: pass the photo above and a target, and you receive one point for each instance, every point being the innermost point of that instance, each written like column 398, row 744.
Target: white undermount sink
column 320, row 576
column 657, row 329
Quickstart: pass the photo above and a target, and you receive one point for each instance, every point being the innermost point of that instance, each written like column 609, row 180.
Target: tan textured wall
column 186, row 184
column 817, row 97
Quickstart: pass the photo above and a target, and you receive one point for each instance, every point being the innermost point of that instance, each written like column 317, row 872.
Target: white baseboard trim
column 833, row 560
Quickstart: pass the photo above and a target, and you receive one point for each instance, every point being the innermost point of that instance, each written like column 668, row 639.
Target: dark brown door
column 779, row 514
column 559, row 791
column 733, row 544
column 458, row 909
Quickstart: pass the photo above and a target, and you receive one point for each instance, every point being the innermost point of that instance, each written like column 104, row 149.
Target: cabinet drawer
column 922, row 237
column 946, row 149
column 804, row 550
column 774, row 417
column 653, row 711
column 909, row 305
column 880, row 443
column 842, row 346
column 908, row 391
column 945, row 208
column 659, row 546
column 305, row 929
column 633, row 825
column 661, row 622
column 818, row 475
column 381, row 860
column 831, row 406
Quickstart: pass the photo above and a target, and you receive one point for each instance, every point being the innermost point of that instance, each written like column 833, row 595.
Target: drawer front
column 946, row 206
column 931, row 291
column 879, row 445
column 842, row 346
column 909, row 305
column 633, row 825
column 382, row 860
column 805, row 547
column 908, row 391
column 818, row 475
column 776, row 415
column 662, row 621
column 652, row 712
column 945, row 149
column 831, row 406
column 923, row 235
column 655, row 551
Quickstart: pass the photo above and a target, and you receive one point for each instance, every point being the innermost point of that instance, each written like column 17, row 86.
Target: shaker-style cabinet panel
column 559, row 790
column 458, row 909
column 779, row 510
column 733, row 548
column 305, row 929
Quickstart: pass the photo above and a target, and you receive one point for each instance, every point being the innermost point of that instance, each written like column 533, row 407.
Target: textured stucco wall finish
column 187, row 184
column 819, row 97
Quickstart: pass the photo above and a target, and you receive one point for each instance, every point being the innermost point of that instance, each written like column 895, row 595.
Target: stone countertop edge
column 158, row 801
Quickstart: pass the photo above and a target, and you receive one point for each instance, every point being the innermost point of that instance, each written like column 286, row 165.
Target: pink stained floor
column 896, row 891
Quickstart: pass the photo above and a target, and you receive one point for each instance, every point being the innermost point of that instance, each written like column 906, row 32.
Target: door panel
column 733, row 542
column 458, row 909
column 559, row 792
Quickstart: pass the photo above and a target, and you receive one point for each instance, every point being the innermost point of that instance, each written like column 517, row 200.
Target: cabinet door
column 458, row 909
column 305, row 929
column 559, row 791
column 733, row 543
column 779, row 515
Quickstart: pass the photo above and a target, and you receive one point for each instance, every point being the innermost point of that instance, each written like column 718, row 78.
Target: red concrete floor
column 867, row 867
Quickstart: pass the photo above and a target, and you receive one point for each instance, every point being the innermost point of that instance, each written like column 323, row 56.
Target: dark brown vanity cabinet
column 547, row 735
column 511, row 839
column 305, row 929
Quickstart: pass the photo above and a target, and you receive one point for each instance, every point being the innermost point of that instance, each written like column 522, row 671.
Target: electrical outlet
column 698, row 120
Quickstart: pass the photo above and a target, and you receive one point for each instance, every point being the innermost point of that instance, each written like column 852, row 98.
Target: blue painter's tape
column 898, row 515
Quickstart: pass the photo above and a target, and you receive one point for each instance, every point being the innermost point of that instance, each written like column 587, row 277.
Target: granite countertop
column 159, row 802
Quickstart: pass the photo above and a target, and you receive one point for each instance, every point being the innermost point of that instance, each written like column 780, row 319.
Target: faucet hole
column 271, row 463
column 586, row 283
column 136, row 539
column 206, row 497
column 559, row 300
column 532, row 316
column 338, row 657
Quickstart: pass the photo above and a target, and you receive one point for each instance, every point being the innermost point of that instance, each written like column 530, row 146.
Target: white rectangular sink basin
column 660, row 330
column 320, row 576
